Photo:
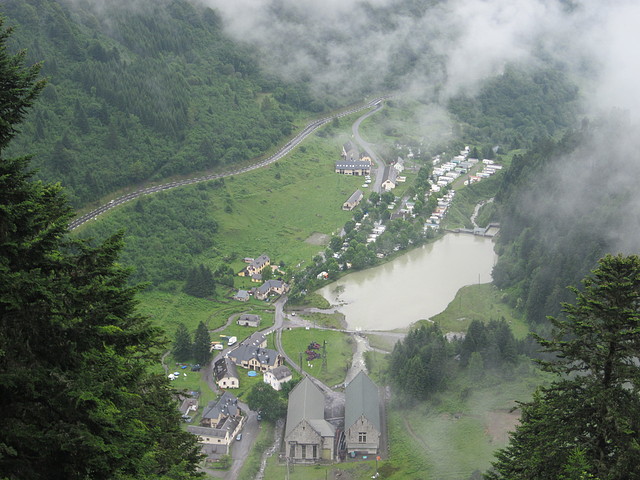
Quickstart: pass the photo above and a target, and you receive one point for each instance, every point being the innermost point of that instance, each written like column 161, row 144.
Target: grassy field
column 276, row 210
column 330, row 320
column 399, row 121
column 459, row 430
column 479, row 302
column 339, row 352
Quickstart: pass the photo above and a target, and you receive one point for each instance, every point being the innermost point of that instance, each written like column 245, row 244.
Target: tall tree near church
column 202, row 344
column 76, row 395
column 592, row 411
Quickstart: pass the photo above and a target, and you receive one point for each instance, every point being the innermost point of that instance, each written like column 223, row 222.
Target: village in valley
column 323, row 423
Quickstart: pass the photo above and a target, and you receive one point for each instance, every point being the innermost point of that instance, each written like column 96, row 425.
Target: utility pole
column 324, row 355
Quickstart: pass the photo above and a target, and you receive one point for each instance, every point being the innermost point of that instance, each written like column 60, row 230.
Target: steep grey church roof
column 362, row 399
column 306, row 402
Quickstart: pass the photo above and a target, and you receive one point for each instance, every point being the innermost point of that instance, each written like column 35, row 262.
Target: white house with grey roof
column 226, row 373
column 308, row 437
column 389, row 178
column 362, row 426
column 277, row 377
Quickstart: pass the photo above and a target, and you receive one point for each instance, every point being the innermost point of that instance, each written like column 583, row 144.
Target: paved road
column 368, row 148
column 308, row 130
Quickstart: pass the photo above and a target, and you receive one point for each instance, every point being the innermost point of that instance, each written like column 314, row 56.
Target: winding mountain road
column 290, row 145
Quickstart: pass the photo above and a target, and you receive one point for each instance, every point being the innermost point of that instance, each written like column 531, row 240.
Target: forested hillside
column 518, row 108
column 142, row 90
column 563, row 205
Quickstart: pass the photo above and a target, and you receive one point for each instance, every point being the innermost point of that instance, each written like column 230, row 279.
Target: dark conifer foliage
column 145, row 89
column 586, row 422
column 77, row 397
column 421, row 363
column 200, row 282
column 425, row 360
column 183, row 346
column 202, row 345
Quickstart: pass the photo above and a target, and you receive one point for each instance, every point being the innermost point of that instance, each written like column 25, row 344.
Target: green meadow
column 479, row 302
column 338, row 347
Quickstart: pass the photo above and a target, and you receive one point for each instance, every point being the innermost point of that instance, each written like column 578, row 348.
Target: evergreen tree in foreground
column 76, row 395
column 586, row 424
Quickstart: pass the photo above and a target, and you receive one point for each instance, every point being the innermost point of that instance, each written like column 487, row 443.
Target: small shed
column 242, row 296
column 249, row 320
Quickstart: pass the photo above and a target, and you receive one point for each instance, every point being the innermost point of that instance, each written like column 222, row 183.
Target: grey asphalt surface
column 368, row 148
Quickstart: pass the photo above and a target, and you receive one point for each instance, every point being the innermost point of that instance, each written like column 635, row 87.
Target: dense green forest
column 141, row 91
column 76, row 391
column 165, row 232
column 519, row 108
column 562, row 206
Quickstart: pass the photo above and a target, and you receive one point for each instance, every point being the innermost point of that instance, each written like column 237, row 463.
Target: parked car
column 239, row 437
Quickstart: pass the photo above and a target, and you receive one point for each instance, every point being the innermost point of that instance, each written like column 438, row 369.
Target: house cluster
column 311, row 436
column 489, row 168
column 377, row 230
column 254, row 270
column 253, row 354
column 440, row 211
column 351, row 163
column 275, row 287
column 445, row 173
column 255, row 267
column 221, row 421
column 263, row 292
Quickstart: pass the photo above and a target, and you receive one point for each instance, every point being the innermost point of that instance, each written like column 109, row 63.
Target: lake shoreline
column 433, row 272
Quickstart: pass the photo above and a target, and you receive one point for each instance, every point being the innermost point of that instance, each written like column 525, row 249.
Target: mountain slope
column 140, row 91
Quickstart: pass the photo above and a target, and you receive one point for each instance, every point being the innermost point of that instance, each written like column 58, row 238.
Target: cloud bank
column 346, row 47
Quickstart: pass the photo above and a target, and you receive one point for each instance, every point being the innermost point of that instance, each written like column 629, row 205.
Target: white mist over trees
column 449, row 46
